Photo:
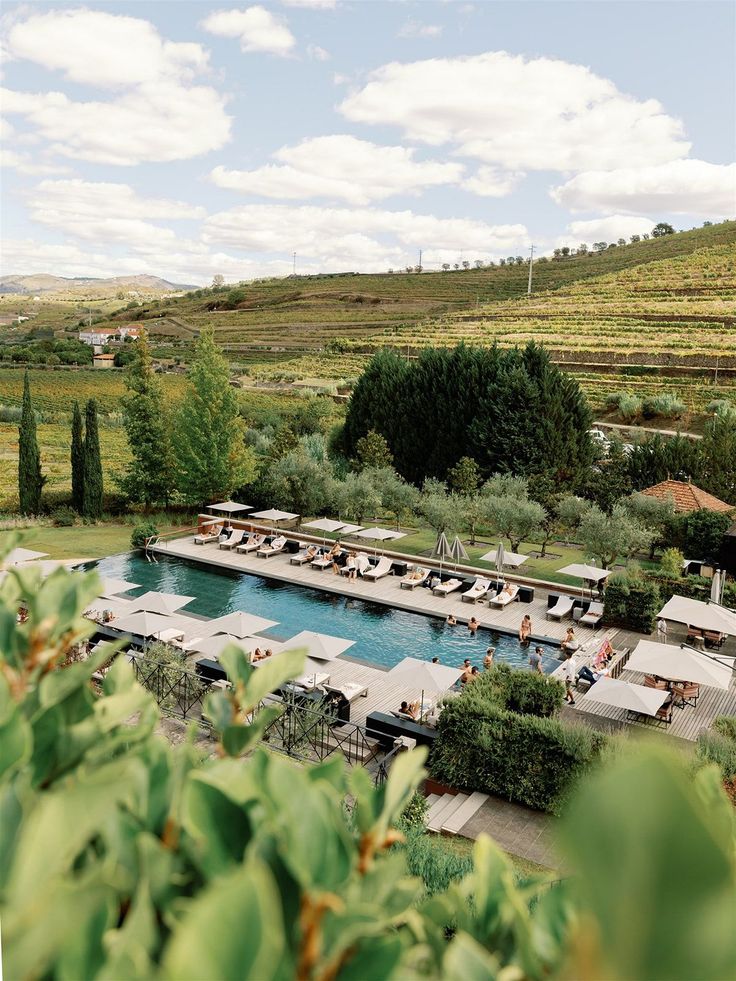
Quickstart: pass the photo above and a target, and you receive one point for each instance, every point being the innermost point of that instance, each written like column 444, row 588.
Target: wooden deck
column 687, row 723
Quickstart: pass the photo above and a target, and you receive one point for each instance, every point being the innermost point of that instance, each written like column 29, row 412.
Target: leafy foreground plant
column 122, row 857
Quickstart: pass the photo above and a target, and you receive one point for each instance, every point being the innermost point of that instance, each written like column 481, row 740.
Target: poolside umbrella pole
column 500, row 556
column 457, row 551
column 441, row 549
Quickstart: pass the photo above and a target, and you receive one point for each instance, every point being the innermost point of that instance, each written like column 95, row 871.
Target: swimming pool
column 383, row 635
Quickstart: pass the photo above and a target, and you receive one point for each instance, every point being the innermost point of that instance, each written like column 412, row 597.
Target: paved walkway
column 518, row 830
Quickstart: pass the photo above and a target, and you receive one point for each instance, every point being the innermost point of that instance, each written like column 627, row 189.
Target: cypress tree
column 77, row 460
column 92, row 507
column 149, row 476
column 30, row 479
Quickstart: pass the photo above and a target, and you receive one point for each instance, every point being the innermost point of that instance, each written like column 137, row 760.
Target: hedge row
column 526, row 692
column 526, row 759
column 632, row 601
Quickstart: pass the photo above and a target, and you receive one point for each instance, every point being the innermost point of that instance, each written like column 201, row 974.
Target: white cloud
column 257, row 29
column 26, row 164
column 311, row 4
column 317, row 54
column 539, row 114
column 155, row 112
column 682, row 187
column 104, row 50
column 488, row 182
column 341, row 167
column 360, row 238
column 413, row 28
column 608, row 229
column 108, row 213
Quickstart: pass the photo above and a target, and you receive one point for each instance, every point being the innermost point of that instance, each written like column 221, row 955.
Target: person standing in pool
column 488, row 659
column 525, row 630
column 451, row 621
column 473, row 626
column 535, row 660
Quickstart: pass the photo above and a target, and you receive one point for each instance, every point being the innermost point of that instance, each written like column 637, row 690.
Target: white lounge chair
column 378, row 572
column 562, row 608
column 477, row 591
column 302, row 558
column 209, row 536
column 594, row 615
column 445, row 588
column 322, row 563
column 235, row 539
column 276, row 546
column 415, row 578
column 506, row 596
column 251, row 545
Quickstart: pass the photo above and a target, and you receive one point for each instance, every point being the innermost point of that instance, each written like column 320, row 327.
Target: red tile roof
column 687, row 497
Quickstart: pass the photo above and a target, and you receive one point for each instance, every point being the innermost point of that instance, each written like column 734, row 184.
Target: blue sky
column 190, row 139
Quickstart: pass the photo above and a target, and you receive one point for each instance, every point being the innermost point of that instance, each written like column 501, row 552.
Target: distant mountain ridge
column 46, row 283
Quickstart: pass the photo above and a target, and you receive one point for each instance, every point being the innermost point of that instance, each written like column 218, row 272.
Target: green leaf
column 220, row 828
column 232, row 930
column 15, row 732
column 656, row 871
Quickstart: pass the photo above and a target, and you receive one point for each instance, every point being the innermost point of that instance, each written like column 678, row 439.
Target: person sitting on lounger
column 410, row 708
column 417, row 574
column 256, row 539
column 276, row 545
column 311, row 552
column 604, row 655
column 525, row 630
column 507, row 590
column 256, row 655
column 591, row 676
column 473, row 626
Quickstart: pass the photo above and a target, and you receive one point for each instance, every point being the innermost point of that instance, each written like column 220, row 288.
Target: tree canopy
column 510, row 411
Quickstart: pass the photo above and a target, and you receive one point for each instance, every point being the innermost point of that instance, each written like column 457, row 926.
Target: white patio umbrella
column 16, row 555
column 424, row 676
column 350, row 529
column 111, row 587
column 458, row 551
column 325, row 525
column 238, row 624
column 513, row 559
column 321, row 647
column 273, row 515
column 680, row 664
column 142, row 624
column 378, row 535
column 166, row 603
column 696, row 613
column 214, row 646
column 588, row 573
column 230, row 507
column 441, row 549
column 716, row 586
column 47, row 566
column 622, row 694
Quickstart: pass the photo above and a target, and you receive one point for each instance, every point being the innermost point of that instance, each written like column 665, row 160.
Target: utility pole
column 420, row 260
column 531, row 263
column 294, row 264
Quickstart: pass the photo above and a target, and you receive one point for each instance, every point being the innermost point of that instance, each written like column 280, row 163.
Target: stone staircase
column 449, row 813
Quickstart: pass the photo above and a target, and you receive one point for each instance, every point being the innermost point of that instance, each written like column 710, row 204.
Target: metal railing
column 178, row 692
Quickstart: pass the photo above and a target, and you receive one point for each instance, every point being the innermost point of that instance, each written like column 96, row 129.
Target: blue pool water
column 383, row 635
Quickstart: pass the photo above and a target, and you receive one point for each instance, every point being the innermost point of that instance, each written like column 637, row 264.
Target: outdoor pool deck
column 687, row 723
column 386, row 591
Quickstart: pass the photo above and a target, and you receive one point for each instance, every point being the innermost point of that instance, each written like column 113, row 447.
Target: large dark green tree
column 511, row 411
column 30, row 478
column 77, row 455
column 92, row 507
column 149, row 477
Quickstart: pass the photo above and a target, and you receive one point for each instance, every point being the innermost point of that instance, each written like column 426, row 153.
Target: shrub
column 714, row 747
column 726, row 726
column 662, row 405
column 671, row 562
column 64, row 517
column 632, row 601
column 629, row 406
column 523, row 692
column 533, row 761
column 414, row 814
column 703, row 533
column 142, row 531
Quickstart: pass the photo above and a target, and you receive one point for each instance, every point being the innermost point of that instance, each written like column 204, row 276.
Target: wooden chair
column 686, row 693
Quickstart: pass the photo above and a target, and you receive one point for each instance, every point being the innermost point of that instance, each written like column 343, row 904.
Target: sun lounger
column 323, row 562
column 302, row 558
column 235, row 539
column 254, row 542
column 561, row 609
column 477, row 591
column 348, row 689
column 413, row 579
column 382, row 569
column 210, row 536
column 276, row 546
column 445, row 588
column 505, row 597
column 594, row 615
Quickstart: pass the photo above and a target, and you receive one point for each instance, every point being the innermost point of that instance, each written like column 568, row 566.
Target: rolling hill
column 47, row 283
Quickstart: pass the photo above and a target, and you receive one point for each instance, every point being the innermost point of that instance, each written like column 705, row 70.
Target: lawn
column 82, row 541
